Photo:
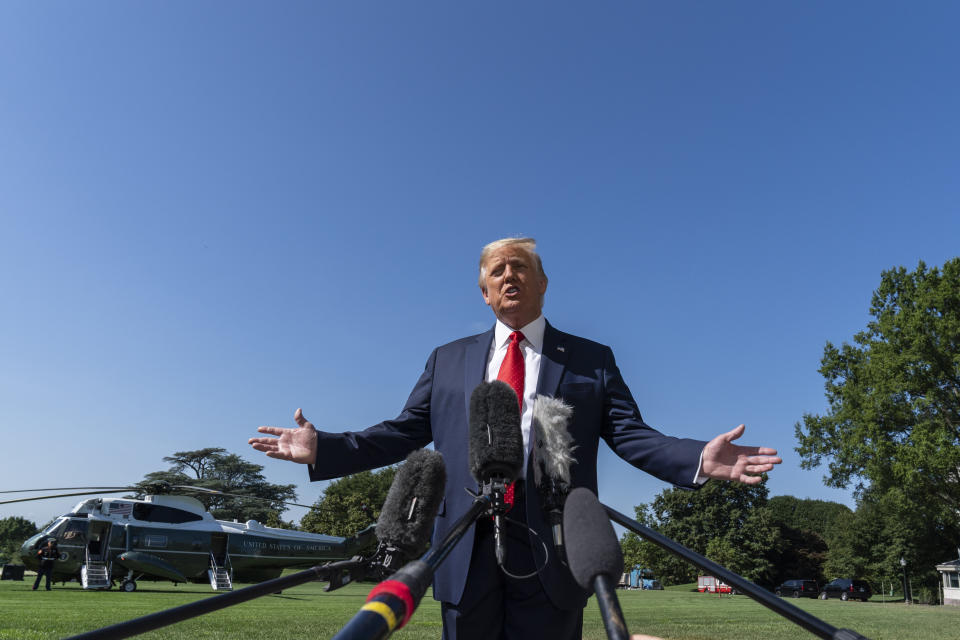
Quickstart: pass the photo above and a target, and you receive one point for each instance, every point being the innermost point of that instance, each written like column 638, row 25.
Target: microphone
column 594, row 556
column 404, row 528
column 552, row 456
column 406, row 520
column 390, row 604
column 495, row 448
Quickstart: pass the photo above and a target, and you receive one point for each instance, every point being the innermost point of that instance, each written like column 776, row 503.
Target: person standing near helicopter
column 48, row 555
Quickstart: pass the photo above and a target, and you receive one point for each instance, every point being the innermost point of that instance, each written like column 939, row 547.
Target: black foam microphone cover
column 592, row 547
column 496, row 443
column 406, row 520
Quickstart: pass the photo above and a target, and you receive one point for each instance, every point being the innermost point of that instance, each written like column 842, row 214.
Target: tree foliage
column 803, row 554
column 818, row 516
column 886, row 527
column 637, row 552
column 807, row 530
column 13, row 531
column 894, row 394
column 350, row 504
column 727, row 522
column 214, row 468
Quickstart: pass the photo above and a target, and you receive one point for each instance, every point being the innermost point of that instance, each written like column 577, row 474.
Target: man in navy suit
column 478, row 599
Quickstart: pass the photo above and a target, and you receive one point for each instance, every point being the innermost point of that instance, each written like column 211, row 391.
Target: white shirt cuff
column 699, row 479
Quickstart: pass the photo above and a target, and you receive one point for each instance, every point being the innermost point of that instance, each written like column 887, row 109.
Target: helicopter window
column 160, row 513
column 52, row 526
column 155, row 541
column 117, row 535
column 75, row 529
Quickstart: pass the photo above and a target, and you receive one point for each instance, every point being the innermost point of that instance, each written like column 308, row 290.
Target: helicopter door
column 218, row 548
column 95, row 572
column 220, row 571
column 98, row 539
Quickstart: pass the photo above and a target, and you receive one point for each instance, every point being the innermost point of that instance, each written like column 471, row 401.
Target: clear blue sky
column 212, row 213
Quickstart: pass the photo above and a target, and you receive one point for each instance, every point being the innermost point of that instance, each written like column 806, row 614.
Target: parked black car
column 847, row 589
column 798, row 588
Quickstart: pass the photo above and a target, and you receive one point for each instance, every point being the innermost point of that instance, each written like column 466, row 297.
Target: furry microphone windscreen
column 592, row 547
column 406, row 520
column 496, row 443
column 553, row 447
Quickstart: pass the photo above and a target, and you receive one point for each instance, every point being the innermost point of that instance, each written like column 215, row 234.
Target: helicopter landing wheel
column 129, row 586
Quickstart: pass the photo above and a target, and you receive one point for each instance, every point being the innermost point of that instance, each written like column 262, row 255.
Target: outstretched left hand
column 724, row 460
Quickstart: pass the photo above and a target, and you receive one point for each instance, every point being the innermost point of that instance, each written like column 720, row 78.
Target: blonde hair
column 527, row 244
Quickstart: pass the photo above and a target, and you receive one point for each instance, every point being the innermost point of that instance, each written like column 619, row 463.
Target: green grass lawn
column 308, row 612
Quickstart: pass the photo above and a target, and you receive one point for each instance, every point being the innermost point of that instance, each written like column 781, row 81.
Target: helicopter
column 174, row 537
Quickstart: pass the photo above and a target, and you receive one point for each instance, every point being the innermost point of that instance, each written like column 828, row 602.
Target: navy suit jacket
column 581, row 372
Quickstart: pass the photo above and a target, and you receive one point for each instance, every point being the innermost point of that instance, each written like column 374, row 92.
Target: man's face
column 513, row 286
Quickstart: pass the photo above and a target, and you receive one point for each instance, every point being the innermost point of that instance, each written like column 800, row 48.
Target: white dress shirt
column 531, row 347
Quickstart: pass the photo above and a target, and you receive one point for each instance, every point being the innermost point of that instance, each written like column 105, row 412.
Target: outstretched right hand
column 295, row 445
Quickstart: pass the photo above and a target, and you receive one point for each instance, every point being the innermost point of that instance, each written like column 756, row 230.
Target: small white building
column 950, row 572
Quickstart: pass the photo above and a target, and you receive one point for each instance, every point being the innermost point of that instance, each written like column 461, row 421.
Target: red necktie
column 512, row 371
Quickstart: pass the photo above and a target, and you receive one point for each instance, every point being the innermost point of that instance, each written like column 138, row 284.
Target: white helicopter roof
column 113, row 506
column 185, row 503
column 121, row 509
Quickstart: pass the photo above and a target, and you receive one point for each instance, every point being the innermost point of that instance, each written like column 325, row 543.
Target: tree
column 892, row 429
column 214, row 468
column 638, row 552
column 199, row 461
column 894, row 394
column 804, row 514
column 885, row 527
column 727, row 522
column 803, row 553
column 13, row 531
column 808, row 529
column 748, row 550
column 350, row 504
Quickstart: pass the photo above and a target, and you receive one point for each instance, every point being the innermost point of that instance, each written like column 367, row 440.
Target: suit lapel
column 475, row 366
column 552, row 361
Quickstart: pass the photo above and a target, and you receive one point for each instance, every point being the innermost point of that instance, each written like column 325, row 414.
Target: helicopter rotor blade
column 66, row 495
column 193, row 488
column 114, row 488
column 238, row 495
column 153, row 488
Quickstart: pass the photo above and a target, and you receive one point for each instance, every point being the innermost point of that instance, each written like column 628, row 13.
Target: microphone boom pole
column 392, row 602
column 207, row 605
column 796, row 615
column 436, row 554
column 610, row 610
